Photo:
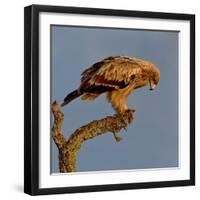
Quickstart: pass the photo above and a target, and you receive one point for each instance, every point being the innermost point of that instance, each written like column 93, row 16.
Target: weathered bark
column 68, row 148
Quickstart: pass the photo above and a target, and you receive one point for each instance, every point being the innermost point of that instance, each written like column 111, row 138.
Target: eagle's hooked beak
column 152, row 85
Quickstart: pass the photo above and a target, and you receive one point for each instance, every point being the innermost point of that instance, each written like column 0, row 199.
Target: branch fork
column 69, row 148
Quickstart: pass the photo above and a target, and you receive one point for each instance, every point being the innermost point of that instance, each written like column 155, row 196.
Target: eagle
column 117, row 77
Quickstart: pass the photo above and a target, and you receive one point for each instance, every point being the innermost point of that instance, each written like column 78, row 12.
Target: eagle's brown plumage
column 117, row 76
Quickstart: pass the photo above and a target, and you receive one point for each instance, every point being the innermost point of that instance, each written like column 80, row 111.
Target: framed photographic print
column 109, row 99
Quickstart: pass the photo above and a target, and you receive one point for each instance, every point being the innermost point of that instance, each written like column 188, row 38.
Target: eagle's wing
column 115, row 72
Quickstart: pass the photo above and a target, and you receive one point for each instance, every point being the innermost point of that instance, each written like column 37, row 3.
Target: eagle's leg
column 121, row 108
column 118, row 100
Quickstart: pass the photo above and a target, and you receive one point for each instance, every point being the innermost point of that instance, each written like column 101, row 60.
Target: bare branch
column 68, row 149
column 57, row 134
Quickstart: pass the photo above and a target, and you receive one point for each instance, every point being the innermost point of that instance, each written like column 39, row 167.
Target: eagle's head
column 154, row 77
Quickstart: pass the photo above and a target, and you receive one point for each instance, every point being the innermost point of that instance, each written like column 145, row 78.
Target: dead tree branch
column 68, row 148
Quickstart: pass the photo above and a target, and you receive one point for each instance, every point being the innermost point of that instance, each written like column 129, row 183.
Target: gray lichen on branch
column 69, row 148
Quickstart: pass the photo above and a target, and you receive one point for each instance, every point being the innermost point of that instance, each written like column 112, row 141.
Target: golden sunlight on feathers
column 117, row 76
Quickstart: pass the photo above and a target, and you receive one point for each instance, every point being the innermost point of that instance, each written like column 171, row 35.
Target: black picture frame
column 31, row 98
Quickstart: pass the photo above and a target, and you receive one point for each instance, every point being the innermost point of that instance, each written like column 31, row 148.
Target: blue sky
column 151, row 141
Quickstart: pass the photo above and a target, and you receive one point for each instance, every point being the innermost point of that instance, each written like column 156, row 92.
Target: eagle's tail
column 71, row 96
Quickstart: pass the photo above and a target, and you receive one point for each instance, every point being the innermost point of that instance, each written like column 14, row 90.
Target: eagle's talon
column 130, row 110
